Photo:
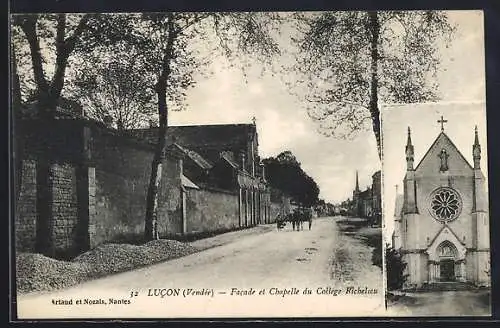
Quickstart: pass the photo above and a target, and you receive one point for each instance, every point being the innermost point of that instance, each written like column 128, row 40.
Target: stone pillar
column 463, row 274
column 246, row 208
column 431, row 272
column 240, row 207
column 252, row 207
column 184, row 210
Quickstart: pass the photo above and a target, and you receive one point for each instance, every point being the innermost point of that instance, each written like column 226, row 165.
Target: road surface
column 260, row 275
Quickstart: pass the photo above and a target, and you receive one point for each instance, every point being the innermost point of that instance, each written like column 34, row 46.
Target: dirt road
column 259, row 275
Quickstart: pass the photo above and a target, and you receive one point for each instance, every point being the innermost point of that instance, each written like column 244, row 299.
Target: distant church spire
column 409, row 152
column 476, row 150
column 357, row 181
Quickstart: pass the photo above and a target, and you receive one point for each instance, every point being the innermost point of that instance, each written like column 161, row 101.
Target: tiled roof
column 206, row 140
column 202, row 135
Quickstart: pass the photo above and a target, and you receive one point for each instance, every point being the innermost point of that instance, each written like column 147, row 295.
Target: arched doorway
column 447, row 254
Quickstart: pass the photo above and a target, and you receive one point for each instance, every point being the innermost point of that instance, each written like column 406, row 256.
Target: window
column 446, row 204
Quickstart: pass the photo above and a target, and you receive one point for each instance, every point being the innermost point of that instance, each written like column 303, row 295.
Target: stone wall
column 25, row 226
column 64, row 207
column 97, row 184
column 211, row 210
column 122, row 173
column 58, row 142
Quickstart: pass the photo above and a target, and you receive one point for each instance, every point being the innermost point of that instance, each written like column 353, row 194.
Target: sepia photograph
column 234, row 164
column 436, row 213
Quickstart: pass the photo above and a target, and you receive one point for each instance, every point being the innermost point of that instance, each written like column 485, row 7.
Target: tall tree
column 285, row 173
column 60, row 36
column 16, row 104
column 350, row 61
column 172, row 40
column 117, row 87
column 48, row 90
column 396, row 267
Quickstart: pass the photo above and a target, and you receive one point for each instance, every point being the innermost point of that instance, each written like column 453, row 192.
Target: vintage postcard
column 228, row 165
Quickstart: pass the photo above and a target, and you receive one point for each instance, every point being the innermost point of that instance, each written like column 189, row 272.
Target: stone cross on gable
column 442, row 121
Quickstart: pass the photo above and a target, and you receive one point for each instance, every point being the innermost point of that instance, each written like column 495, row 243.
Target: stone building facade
column 441, row 220
column 368, row 203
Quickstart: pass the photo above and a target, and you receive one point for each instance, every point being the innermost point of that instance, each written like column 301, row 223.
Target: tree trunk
column 16, row 85
column 374, row 26
column 48, row 95
column 16, row 105
column 151, row 220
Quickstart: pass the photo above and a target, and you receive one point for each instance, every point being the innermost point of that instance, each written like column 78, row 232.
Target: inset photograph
column 436, row 209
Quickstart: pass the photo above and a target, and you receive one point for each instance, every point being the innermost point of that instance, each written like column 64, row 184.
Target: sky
column 422, row 119
column 225, row 97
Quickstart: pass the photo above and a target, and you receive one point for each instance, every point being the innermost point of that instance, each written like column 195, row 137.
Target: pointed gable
column 445, row 235
column 431, row 162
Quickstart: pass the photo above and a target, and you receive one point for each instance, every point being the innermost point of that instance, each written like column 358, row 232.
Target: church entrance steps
column 444, row 286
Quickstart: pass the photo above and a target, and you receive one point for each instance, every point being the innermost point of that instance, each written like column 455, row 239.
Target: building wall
column 64, row 207
column 423, row 228
column 60, row 146
column 170, row 202
column 99, row 182
column 211, row 210
column 429, row 227
column 25, row 224
column 117, row 171
column 122, row 173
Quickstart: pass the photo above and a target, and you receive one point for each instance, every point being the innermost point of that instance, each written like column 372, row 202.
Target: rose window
column 445, row 204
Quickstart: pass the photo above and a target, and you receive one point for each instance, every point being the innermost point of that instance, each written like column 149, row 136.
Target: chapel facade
column 441, row 220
